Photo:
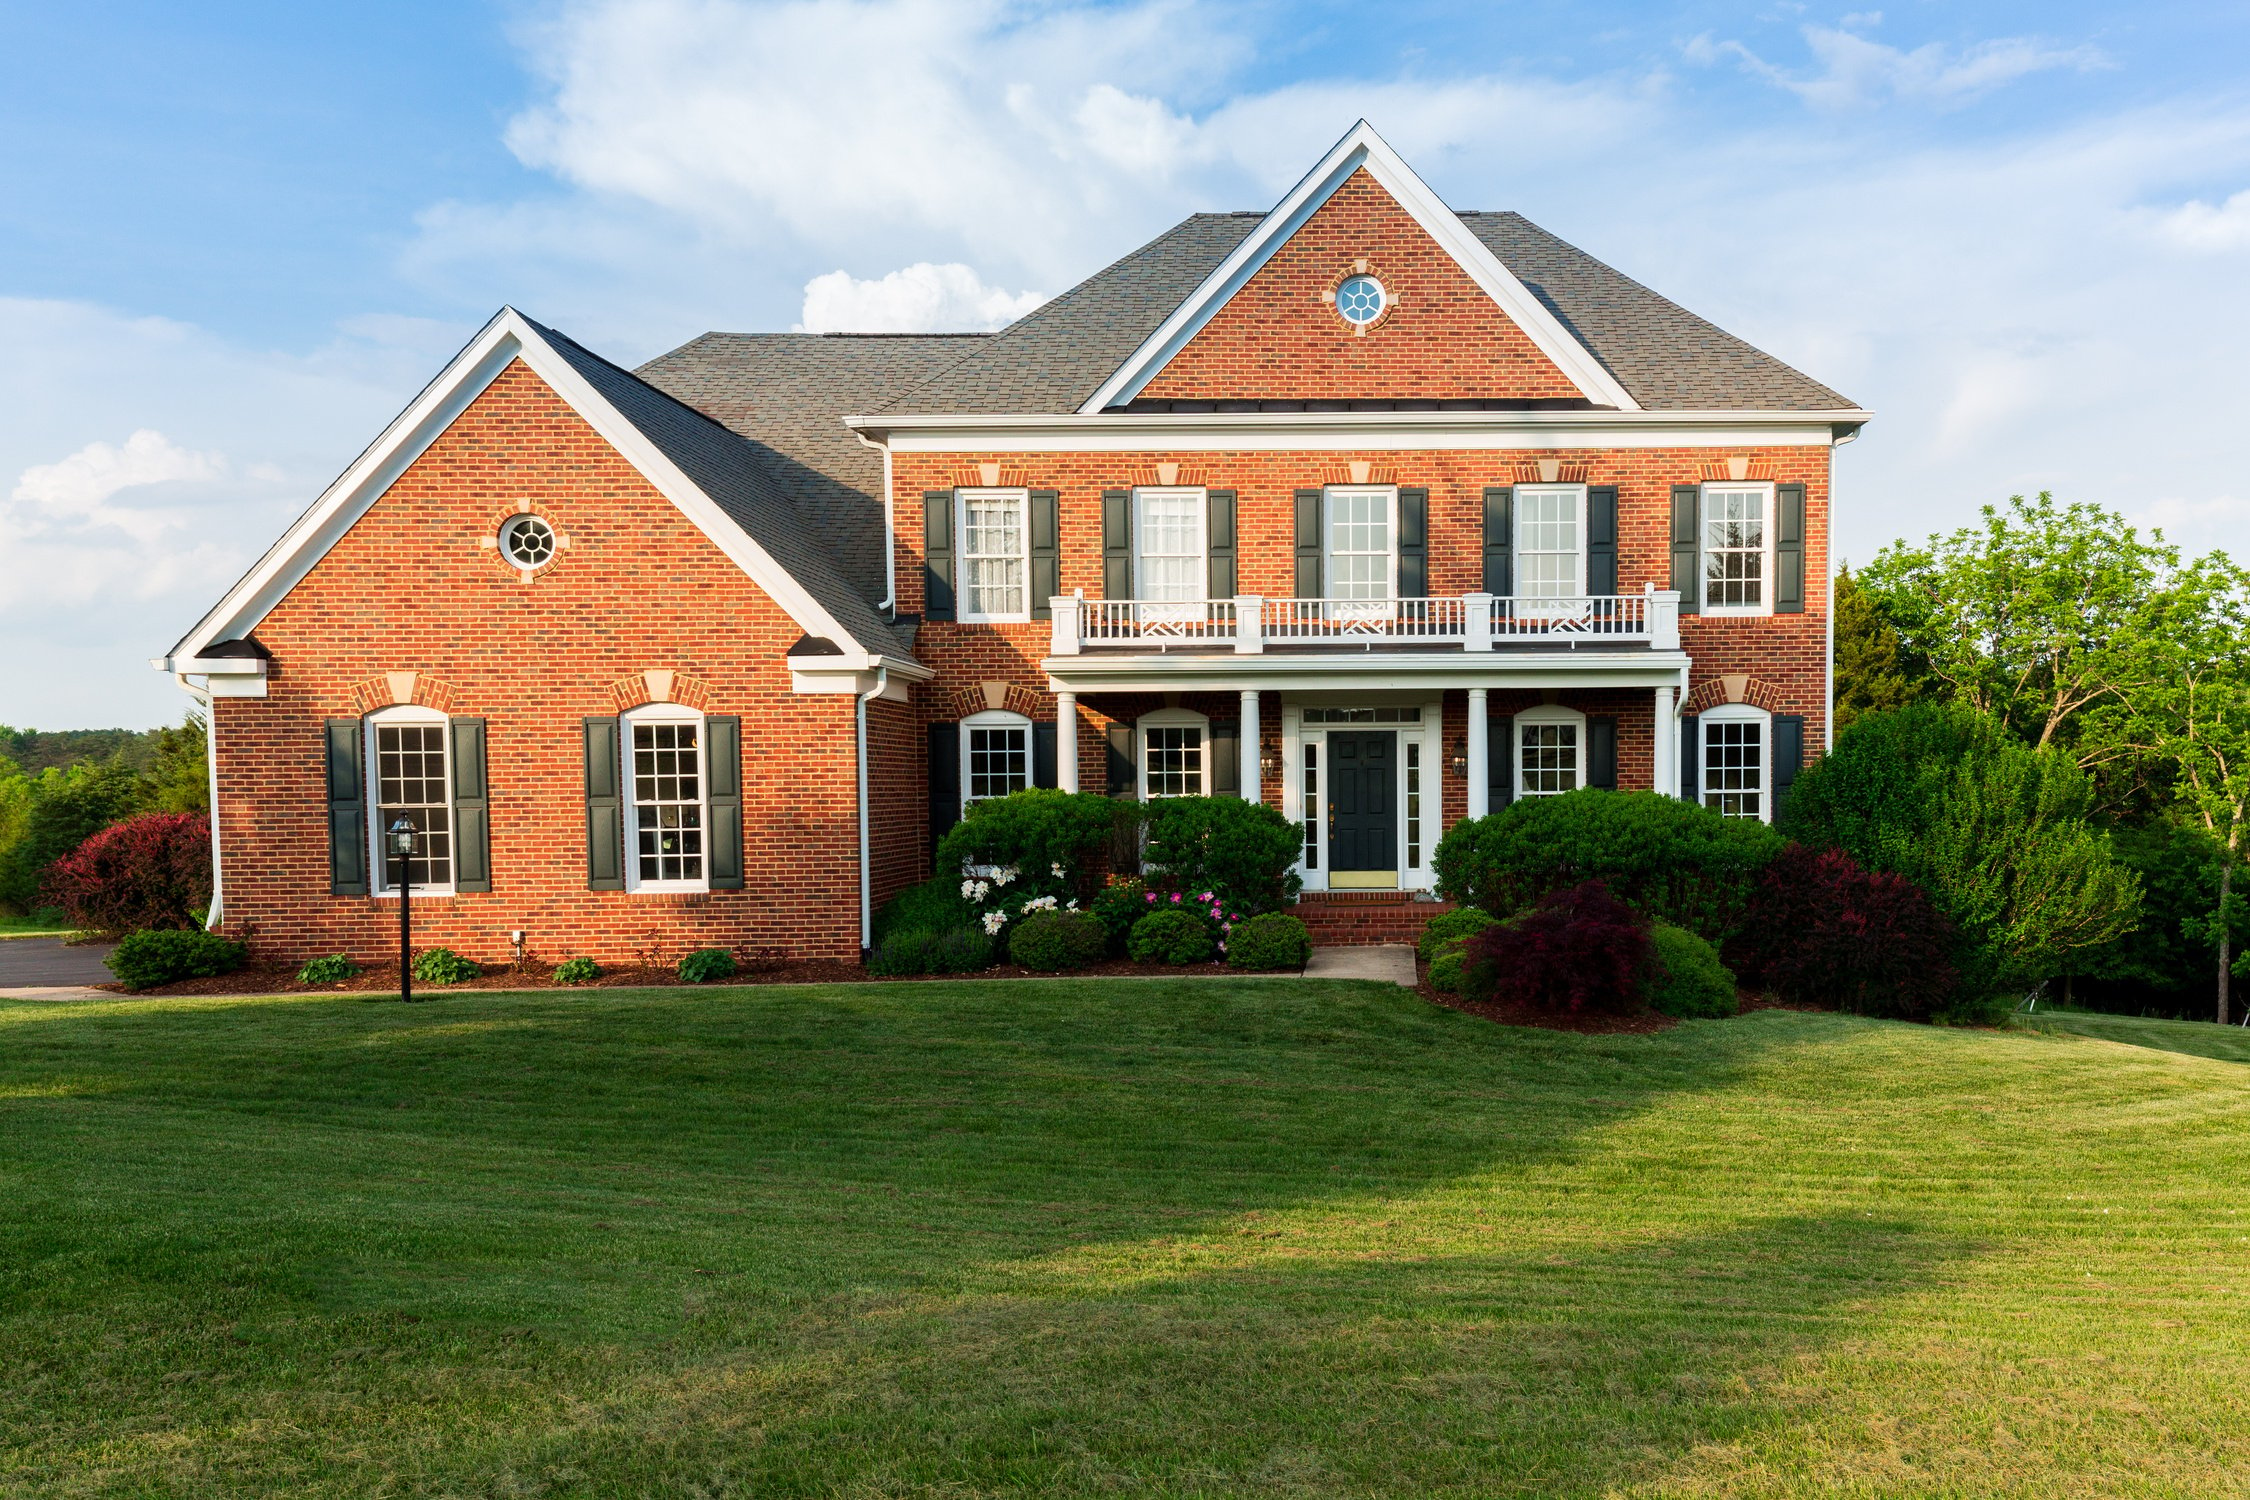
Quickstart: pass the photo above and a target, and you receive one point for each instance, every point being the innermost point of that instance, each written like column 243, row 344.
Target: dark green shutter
column 347, row 810
column 937, row 554
column 1788, row 758
column 1046, row 558
column 1601, row 540
column 1601, row 751
column 1124, row 774
column 605, row 807
column 1413, row 543
column 1043, row 740
column 1686, row 576
column 1789, row 549
column 1226, row 758
column 1499, row 540
column 472, row 808
column 1500, row 761
column 1218, row 524
column 1691, row 751
column 945, row 782
column 1308, row 544
column 1117, row 544
column 722, row 789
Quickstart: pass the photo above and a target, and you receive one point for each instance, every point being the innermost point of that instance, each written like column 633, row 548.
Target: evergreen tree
column 1873, row 672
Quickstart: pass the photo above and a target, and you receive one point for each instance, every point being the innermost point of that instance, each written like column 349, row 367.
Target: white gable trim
column 507, row 338
column 1362, row 147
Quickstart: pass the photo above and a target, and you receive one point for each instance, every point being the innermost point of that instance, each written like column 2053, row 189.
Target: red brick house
column 1379, row 512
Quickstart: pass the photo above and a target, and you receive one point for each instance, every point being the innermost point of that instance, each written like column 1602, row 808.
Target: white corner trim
column 1362, row 147
column 508, row 337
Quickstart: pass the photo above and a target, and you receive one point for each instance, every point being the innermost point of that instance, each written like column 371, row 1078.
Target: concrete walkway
column 1389, row 961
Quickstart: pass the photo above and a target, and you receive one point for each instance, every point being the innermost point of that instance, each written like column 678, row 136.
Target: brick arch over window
column 660, row 685
column 1711, row 692
column 396, row 688
column 977, row 697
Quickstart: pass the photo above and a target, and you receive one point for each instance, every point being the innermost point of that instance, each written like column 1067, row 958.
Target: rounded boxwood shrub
column 1275, row 940
column 1051, row 941
column 901, row 953
column 577, row 971
column 1690, row 981
column 960, row 950
column 333, row 969
column 143, row 959
column 1170, row 937
column 707, row 965
column 1449, row 927
column 1579, row 949
column 444, row 966
column 1447, row 966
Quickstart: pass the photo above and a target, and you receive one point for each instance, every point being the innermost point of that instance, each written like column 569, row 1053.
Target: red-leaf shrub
column 147, row 874
column 1579, row 949
column 1822, row 931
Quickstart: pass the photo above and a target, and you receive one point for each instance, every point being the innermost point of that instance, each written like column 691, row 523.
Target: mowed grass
column 1099, row 1238
column 2195, row 1038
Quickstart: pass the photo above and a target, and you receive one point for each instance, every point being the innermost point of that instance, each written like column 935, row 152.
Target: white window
column 1312, row 804
column 1168, row 566
column 1550, row 751
column 1361, row 300
column 995, row 544
column 1737, row 549
column 995, row 755
column 1175, row 754
column 409, row 766
column 1362, row 563
column 1734, row 764
column 1550, row 541
column 668, row 825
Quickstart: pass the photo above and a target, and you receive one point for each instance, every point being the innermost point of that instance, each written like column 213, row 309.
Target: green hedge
column 1051, row 941
column 145, row 959
column 1274, row 940
column 1690, row 980
column 1170, row 936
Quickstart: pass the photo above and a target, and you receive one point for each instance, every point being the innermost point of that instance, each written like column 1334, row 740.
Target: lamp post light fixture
column 402, row 838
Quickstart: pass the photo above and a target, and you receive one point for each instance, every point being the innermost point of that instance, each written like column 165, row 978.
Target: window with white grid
column 665, row 755
column 1550, row 751
column 995, row 756
column 1733, row 763
column 1360, row 561
column 1168, row 536
column 409, row 760
column 1172, row 760
column 1736, row 548
column 995, row 534
column 1550, row 541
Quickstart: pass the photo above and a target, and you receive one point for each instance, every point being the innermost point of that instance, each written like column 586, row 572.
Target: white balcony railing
column 1249, row 624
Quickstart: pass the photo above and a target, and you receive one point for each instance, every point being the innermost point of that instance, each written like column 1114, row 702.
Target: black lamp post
column 402, row 838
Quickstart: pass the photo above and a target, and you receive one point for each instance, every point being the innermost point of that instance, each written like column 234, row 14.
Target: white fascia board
column 508, row 337
column 1362, row 147
column 1342, row 672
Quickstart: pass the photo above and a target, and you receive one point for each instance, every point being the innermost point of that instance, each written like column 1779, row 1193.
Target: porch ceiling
column 1329, row 671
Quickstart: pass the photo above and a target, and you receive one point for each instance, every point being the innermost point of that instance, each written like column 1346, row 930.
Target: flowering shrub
column 150, row 873
column 1170, row 935
column 1044, row 839
column 1119, row 905
column 993, row 903
column 1579, row 949
column 1243, row 854
column 1823, row 931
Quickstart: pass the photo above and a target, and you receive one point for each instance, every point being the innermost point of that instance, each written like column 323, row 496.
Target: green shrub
column 903, row 952
column 1170, row 936
column 1273, row 940
column 933, row 906
column 1245, row 853
column 1672, row 861
column 144, row 959
column 1119, row 905
column 1050, row 941
column 960, row 950
column 444, row 966
column 1447, row 966
column 577, row 971
column 707, row 966
column 334, row 969
column 1690, row 981
column 1047, row 837
column 1579, row 949
column 1449, row 926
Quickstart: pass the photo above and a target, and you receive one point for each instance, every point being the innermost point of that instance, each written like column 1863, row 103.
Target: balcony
column 1249, row 625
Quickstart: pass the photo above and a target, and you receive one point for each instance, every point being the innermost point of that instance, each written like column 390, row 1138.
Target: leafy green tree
column 1873, row 669
column 179, row 774
column 2164, row 960
column 67, row 806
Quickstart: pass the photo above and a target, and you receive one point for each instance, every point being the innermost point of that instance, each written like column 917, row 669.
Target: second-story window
column 1361, row 561
column 1168, row 540
column 994, row 541
column 1550, row 541
column 1737, row 549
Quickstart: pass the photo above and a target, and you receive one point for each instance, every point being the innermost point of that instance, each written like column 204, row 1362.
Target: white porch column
column 1480, row 754
column 1066, row 741
column 1666, row 754
column 1251, row 792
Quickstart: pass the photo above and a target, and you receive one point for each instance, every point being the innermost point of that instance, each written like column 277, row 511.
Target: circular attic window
column 1361, row 300
column 527, row 542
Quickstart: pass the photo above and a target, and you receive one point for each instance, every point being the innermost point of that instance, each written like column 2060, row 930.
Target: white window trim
column 663, row 713
column 371, row 786
column 1547, row 713
column 1169, row 718
column 1526, row 605
column 1202, row 499
column 1327, row 535
column 1736, row 713
column 995, row 718
column 1765, row 560
column 961, row 591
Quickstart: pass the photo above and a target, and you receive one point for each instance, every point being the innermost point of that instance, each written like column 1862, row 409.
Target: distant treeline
column 35, row 750
column 60, row 787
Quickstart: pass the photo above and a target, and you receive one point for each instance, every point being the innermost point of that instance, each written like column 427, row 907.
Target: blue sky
column 235, row 238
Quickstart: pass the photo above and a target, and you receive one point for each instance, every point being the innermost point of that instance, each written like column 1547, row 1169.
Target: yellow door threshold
column 1363, row 880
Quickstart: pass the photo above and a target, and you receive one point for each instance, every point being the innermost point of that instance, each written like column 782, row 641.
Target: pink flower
column 1175, row 898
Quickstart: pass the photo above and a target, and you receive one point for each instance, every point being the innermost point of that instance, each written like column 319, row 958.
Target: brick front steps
column 1346, row 919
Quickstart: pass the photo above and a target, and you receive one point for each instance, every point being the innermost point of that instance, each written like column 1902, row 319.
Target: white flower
column 1073, row 904
column 983, row 889
column 1057, row 871
column 1040, row 903
column 968, row 890
column 1004, row 876
column 993, row 922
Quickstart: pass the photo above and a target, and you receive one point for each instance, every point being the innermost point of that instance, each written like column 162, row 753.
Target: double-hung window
column 1175, row 755
column 995, row 529
column 1737, row 538
column 995, row 755
column 1735, row 761
column 1550, row 752
column 1550, row 546
column 669, row 827
column 407, row 749
column 1168, row 566
column 1362, row 558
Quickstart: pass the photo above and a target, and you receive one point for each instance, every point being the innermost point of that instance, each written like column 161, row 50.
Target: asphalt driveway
column 45, row 961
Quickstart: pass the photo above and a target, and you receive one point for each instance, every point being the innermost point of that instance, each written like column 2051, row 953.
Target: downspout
column 866, row 872
column 217, row 914
column 890, row 535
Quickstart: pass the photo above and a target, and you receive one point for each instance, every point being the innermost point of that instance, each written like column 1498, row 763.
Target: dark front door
column 1362, row 800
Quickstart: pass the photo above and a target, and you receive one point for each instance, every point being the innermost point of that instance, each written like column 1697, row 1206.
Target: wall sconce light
column 1460, row 761
column 1269, row 765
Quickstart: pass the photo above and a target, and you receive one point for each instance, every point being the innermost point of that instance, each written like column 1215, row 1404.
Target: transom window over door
column 411, row 783
column 1734, row 763
column 994, row 566
column 1361, row 560
column 1550, row 541
column 1737, row 548
column 995, row 756
column 1168, row 535
column 666, row 758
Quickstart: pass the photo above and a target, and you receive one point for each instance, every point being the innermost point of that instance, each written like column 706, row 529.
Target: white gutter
column 890, row 529
column 866, row 873
column 217, row 913
column 1331, row 421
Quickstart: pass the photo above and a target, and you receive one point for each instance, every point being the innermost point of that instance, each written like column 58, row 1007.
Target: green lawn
column 1157, row 1238
column 35, row 926
column 2196, row 1038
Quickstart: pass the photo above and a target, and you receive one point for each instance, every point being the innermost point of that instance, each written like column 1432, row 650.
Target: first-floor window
column 1550, row 752
column 1312, row 805
column 411, row 784
column 1733, row 762
column 995, row 756
column 665, row 752
column 1413, row 803
column 1173, row 762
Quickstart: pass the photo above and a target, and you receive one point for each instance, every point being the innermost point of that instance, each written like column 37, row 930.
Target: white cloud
column 922, row 298
column 2197, row 225
column 1856, row 71
column 76, row 490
